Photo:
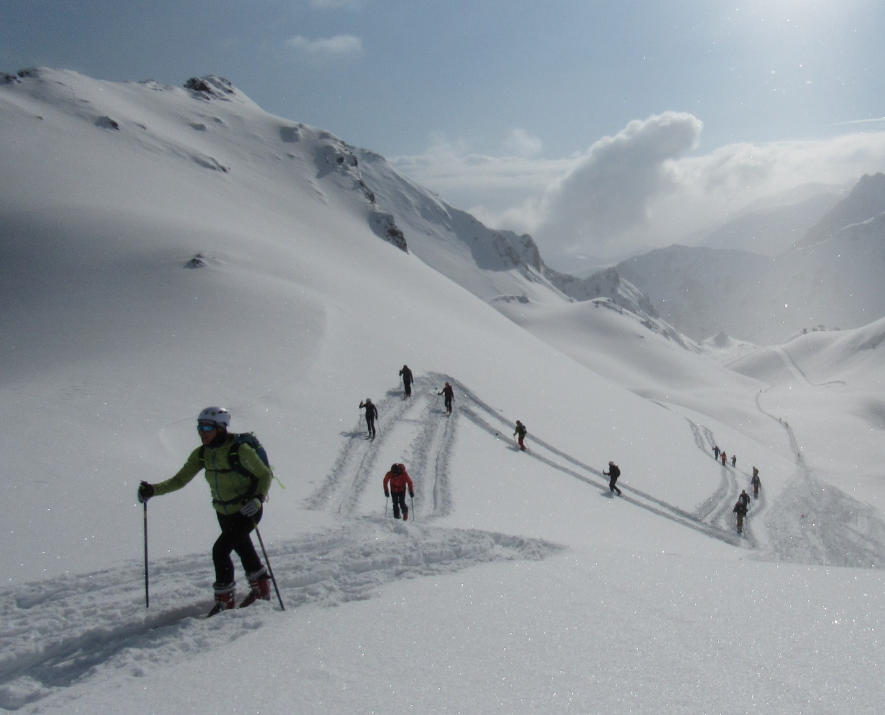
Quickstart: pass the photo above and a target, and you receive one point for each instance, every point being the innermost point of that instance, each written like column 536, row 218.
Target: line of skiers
column 719, row 454
column 742, row 505
column 372, row 410
column 239, row 476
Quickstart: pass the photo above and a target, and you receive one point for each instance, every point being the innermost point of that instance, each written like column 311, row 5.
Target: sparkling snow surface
column 163, row 251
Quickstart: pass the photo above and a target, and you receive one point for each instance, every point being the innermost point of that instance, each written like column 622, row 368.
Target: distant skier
column 237, row 498
column 740, row 509
column 716, row 452
column 724, row 457
column 734, row 459
column 520, row 432
column 406, row 374
column 756, row 482
column 395, row 483
column 449, row 394
column 371, row 416
column 613, row 473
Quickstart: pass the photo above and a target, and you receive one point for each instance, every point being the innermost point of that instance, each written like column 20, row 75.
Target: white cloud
column 637, row 188
column 609, row 190
column 329, row 46
column 520, row 143
column 487, row 186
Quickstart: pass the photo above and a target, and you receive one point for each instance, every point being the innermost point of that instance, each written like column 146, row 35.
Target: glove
column 251, row 507
column 145, row 492
column 412, row 495
column 387, row 493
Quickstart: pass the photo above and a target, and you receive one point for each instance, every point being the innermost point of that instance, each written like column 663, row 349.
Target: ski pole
column 386, row 502
column 147, row 592
column 269, row 569
column 412, row 499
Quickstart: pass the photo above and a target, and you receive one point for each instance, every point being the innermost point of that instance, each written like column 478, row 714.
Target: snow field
column 521, row 585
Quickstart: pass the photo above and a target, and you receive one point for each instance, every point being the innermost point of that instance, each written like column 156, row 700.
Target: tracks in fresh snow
column 813, row 522
column 62, row 632
column 420, row 430
column 59, row 633
column 415, row 431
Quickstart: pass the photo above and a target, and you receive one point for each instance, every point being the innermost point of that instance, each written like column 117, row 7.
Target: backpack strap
column 233, row 460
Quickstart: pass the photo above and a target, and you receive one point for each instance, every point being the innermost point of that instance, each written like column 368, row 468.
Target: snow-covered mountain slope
column 169, row 248
column 766, row 293
column 842, row 372
column 140, row 282
column 864, row 202
column 765, row 299
column 772, row 229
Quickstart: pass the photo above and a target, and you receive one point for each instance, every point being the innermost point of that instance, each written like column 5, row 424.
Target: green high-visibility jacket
column 229, row 488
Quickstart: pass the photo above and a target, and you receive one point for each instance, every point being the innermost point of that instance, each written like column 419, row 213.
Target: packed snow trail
column 634, row 496
column 408, row 430
column 424, row 438
column 813, row 522
column 61, row 632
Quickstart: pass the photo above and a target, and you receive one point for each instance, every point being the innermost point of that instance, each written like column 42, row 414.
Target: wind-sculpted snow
column 64, row 631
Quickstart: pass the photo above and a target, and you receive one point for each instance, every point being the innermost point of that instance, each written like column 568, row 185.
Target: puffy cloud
column 329, row 46
column 609, row 190
column 638, row 189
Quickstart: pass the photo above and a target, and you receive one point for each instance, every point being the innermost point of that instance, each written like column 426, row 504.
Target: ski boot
column 259, row 583
column 225, row 598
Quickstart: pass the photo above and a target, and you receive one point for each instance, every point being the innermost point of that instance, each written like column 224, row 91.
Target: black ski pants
column 236, row 536
column 399, row 503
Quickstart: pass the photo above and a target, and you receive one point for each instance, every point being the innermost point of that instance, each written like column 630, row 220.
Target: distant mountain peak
column 865, row 201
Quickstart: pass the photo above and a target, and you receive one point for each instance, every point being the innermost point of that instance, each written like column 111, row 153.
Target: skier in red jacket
column 395, row 483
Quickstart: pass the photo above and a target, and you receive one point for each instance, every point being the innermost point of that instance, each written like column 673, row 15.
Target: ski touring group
column 240, row 476
column 742, row 505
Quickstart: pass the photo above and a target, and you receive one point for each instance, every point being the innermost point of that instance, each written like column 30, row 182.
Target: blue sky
column 498, row 105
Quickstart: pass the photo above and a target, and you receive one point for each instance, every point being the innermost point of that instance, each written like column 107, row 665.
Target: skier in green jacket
column 237, row 498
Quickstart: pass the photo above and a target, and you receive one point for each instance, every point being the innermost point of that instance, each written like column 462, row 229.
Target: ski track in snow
column 64, row 631
column 419, row 423
column 61, row 632
column 813, row 522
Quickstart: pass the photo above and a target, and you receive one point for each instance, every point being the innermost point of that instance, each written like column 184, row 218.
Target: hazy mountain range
column 828, row 276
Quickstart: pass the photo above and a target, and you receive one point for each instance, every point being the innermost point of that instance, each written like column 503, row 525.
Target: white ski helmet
column 218, row 415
